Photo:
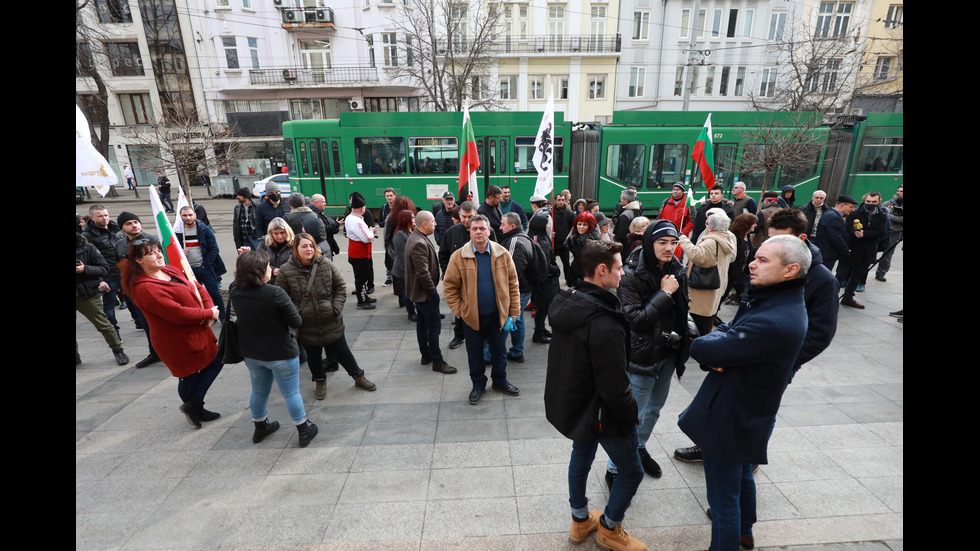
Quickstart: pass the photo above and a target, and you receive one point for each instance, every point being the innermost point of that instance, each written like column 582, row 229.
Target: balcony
column 577, row 45
column 307, row 18
column 299, row 76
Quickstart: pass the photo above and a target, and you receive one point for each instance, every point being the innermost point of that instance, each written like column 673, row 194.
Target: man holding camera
column 654, row 296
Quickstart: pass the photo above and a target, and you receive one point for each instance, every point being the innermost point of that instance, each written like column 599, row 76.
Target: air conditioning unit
column 288, row 16
column 288, row 74
column 277, row 2
column 357, row 104
column 321, row 15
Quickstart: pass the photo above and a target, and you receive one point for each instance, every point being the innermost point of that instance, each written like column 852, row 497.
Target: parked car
column 258, row 188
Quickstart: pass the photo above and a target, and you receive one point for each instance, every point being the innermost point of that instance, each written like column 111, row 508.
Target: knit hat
column 245, row 192
column 679, row 185
column 126, row 217
column 357, row 200
column 271, row 187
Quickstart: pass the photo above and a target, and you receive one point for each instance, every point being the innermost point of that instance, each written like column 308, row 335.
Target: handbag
column 229, row 349
column 707, row 279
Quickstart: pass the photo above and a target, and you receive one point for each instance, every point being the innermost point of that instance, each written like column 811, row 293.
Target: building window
column 370, row 45
column 522, row 21
column 637, row 77
column 316, row 54
column 305, row 109
column 460, row 21
column 726, row 73
column 556, row 21
column 716, row 24
column 834, row 19
column 253, row 52
column 535, row 87
column 739, row 81
column 562, row 86
column 231, row 52
column 389, row 43
column 709, row 81
column 222, row 3
column 894, row 18
column 409, row 54
column 247, row 4
column 732, row 23
column 598, row 22
column 829, row 84
column 679, row 81
column 685, row 23
column 747, row 31
column 136, row 108
column 883, row 68
column 768, row 84
column 92, row 108
column 124, row 58
column 597, row 86
column 251, row 106
column 641, row 25
column 508, row 87
column 776, row 24
column 113, row 11
column 478, row 88
column 83, row 59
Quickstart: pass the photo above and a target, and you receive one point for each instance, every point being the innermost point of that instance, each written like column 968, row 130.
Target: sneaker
column 581, row 530
column 121, row 357
column 370, row 289
column 387, row 283
column 860, row 288
column 455, row 343
column 362, row 382
column 321, row 389
column 371, row 300
column 616, row 539
column 897, row 313
column 649, row 465
column 689, row 455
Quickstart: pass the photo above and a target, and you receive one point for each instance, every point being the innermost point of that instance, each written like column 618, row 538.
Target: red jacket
column 680, row 214
column 175, row 317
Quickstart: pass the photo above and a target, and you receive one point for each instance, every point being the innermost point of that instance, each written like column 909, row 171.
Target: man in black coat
column 715, row 200
column 564, row 221
column 104, row 233
column 587, row 393
column 832, row 233
column 814, row 211
column 272, row 206
column 491, row 209
column 866, row 226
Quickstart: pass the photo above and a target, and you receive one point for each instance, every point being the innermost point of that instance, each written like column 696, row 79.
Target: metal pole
column 695, row 15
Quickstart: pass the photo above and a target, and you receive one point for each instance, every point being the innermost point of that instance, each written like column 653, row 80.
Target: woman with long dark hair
column 404, row 227
column 266, row 317
column 539, row 229
column 742, row 226
column 180, row 314
column 391, row 224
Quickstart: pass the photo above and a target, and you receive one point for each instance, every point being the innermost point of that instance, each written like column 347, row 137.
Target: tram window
column 434, row 155
column 382, row 155
column 314, row 165
column 881, row 155
column 287, row 146
column 503, row 156
column 303, row 158
column 336, row 158
column 493, row 157
column 479, row 155
column 624, row 163
column 325, row 157
column 725, row 164
column 524, row 154
column 802, row 171
column 668, row 164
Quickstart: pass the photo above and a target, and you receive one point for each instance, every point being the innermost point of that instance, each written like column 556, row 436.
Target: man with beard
column 866, row 226
column 715, row 200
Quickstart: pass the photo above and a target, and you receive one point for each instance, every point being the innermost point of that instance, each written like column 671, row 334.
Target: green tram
column 417, row 154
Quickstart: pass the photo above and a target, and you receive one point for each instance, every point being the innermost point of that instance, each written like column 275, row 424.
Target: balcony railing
column 585, row 44
column 300, row 75
column 307, row 17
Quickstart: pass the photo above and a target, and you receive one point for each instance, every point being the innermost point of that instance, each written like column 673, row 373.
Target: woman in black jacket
column 539, row 230
column 266, row 317
column 585, row 228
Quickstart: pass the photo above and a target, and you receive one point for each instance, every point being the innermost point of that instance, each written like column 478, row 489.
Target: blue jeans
column 207, row 278
column 166, row 202
column 428, row 328
column 489, row 331
column 286, row 375
column 517, row 335
column 651, row 395
column 731, row 495
column 622, row 450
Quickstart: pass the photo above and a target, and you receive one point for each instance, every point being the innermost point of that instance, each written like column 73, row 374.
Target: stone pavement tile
column 324, row 459
column 408, row 394
column 235, row 463
column 545, row 513
column 100, row 531
column 123, row 494
column 527, row 405
column 828, row 529
column 771, row 504
column 94, row 411
column 831, row 437
column 839, row 497
column 797, row 466
column 383, row 486
column 187, row 528
column 278, row 526
column 182, row 437
column 535, row 480
column 471, row 430
column 416, row 375
column 523, row 428
column 158, row 464
column 839, row 394
column 417, row 412
column 484, row 409
column 867, row 462
column 471, row 482
column 457, row 518
column 671, row 478
column 892, row 391
column 329, row 433
column 692, row 473
column 889, row 489
column 224, row 492
column 484, row 543
column 893, row 433
column 817, row 414
column 374, row 353
column 299, row 490
column 555, row 450
column 873, row 412
column 397, row 524
column 398, row 432
column 340, row 392
column 789, row 439
column 393, row 457
column 386, row 545
column 96, row 466
column 449, row 455
column 667, row 507
column 368, row 341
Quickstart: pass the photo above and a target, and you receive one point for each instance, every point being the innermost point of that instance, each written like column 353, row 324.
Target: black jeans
column 337, row 349
column 428, row 328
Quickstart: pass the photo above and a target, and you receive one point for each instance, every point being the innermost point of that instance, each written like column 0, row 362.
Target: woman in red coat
column 180, row 324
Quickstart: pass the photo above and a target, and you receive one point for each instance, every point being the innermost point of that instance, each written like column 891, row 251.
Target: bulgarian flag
column 704, row 154
column 469, row 160
column 172, row 250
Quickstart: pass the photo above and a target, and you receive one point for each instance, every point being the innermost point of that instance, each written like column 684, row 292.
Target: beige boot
column 321, row 389
column 618, row 540
column 362, row 382
column 581, row 530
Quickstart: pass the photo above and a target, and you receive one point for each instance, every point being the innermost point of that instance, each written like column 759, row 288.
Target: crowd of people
column 642, row 295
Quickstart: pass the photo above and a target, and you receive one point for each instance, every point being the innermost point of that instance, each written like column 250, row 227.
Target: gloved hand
column 509, row 325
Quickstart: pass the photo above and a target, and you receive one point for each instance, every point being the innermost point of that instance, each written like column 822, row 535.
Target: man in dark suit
column 732, row 415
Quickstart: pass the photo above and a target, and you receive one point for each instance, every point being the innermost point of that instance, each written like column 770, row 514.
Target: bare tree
column 790, row 141
column 815, row 69
column 182, row 141
column 450, row 47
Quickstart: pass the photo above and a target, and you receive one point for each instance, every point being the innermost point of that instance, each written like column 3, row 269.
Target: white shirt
column 357, row 229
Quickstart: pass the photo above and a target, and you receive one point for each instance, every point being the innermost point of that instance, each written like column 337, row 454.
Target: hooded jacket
column 630, row 211
column 587, row 392
column 304, row 220
column 783, row 202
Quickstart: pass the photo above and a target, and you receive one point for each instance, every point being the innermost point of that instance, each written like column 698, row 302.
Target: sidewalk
column 413, row 466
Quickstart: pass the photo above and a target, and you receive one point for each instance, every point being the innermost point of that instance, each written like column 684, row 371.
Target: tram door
column 332, row 181
column 493, row 162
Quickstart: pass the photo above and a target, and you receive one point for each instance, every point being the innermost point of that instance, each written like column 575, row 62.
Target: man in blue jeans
column 587, row 394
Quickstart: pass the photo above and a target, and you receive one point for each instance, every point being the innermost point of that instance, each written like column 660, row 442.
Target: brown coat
column 704, row 302
column 459, row 284
column 421, row 267
column 323, row 320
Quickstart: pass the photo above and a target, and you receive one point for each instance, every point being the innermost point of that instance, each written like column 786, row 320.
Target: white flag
column 181, row 203
column 544, row 150
column 91, row 168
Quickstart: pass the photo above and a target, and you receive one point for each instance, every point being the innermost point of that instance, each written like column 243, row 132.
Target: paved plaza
column 413, row 466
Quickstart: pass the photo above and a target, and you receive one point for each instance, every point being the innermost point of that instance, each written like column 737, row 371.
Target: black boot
column 262, row 429
column 192, row 411
column 306, row 433
column 540, row 337
column 206, row 415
